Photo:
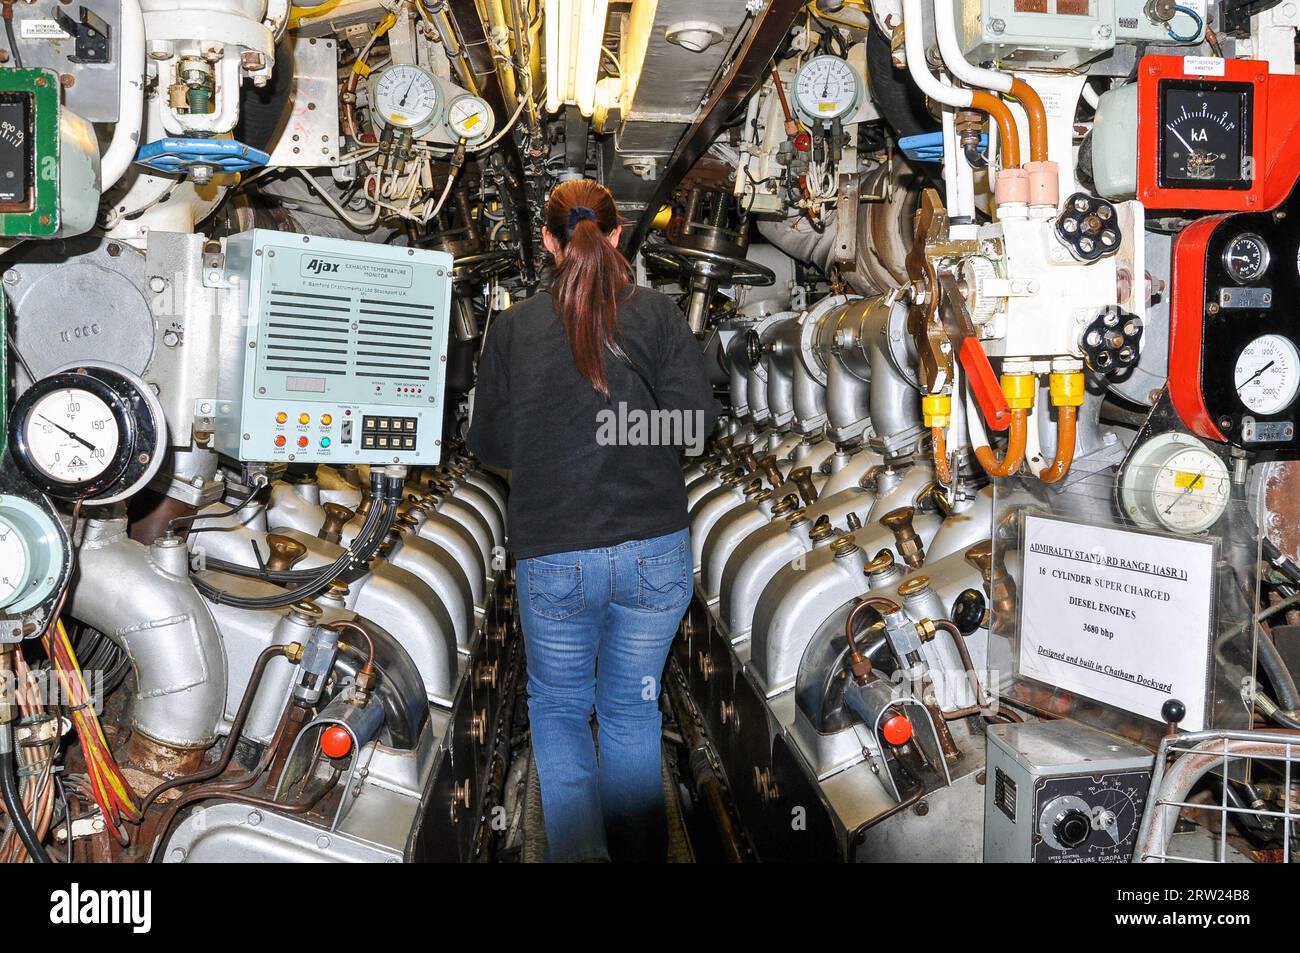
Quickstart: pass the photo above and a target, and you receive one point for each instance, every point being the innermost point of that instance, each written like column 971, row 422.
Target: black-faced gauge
column 88, row 432
column 33, row 554
column 470, row 118
column 1205, row 135
column 827, row 88
column 1174, row 482
column 1246, row 258
column 405, row 96
column 1267, row 374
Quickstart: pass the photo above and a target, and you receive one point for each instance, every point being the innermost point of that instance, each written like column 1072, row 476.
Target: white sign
column 1118, row 616
column 41, row 30
column 1202, row 66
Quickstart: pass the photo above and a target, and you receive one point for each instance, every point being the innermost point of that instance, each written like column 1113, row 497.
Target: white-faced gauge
column 89, row 432
column 1246, row 258
column 1267, row 374
column 470, row 118
column 827, row 88
column 405, row 96
column 1175, row 483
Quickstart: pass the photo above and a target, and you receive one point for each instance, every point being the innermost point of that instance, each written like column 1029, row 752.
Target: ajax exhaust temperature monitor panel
column 343, row 353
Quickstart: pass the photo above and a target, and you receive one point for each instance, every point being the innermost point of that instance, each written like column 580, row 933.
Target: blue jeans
column 598, row 624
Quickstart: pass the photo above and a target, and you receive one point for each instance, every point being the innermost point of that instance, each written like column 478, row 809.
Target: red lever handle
column 984, row 384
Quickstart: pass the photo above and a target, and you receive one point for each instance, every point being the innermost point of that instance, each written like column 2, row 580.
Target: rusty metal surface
column 740, row 78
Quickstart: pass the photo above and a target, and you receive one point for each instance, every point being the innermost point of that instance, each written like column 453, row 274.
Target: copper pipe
column 1066, row 427
column 1008, row 134
column 1024, row 93
column 346, row 625
column 791, row 123
column 939, row 448
column 1015, row 455
column 959, row 641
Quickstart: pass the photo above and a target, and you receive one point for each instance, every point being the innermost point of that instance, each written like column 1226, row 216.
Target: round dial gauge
column 827, row 88
column 470, row 118
column 1267, row 375
column 1246, row 258
column 72, row 435
column 33, row 554
column 14, row 562
column 1174, row 482
column 91, row 432
column 406, row 96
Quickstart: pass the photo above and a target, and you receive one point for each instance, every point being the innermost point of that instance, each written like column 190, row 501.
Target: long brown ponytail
column 590, row 275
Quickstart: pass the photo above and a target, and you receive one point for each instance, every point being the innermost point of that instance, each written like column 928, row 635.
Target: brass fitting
column 801, row 477
column 906, row 540
column 771, row 472
column 293, row 652
column 284, row 552
column 336, row 517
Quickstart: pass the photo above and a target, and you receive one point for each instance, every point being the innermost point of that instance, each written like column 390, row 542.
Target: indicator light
column 326, row 419
column 302, row 441
column 279, row 441
column 281, row 417
column 304, row 418
column 324, row 441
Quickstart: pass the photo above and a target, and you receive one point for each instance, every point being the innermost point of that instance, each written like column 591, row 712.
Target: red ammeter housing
column 1269, row 139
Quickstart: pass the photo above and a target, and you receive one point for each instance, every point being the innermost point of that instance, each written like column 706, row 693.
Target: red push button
column 335, row 741
column 279, row 441
column 303, row 441
column 897, row 730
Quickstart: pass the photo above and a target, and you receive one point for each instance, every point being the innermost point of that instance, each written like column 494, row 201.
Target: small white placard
column 1118, row 616
column 41, row 30
column 1202, row 66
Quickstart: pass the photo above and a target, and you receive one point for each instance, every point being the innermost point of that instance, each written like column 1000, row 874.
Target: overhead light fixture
column 575, row 32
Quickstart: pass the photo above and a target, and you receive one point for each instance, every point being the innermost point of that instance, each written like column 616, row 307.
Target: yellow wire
column 815, row 11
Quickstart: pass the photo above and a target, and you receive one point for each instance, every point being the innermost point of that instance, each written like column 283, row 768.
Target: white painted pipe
column 914, row 48
column 125, row 143
column 945, row 30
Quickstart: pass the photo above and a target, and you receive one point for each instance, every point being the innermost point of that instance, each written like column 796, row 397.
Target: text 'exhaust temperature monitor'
column 343, row 354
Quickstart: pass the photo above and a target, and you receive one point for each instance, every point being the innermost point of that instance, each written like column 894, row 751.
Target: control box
column 341, row 352
column 1060, row 792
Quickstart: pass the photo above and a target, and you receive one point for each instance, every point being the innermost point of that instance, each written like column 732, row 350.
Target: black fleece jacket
column 589, row 472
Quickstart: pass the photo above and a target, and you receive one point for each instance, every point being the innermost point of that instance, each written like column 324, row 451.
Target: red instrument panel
column 1215, row 135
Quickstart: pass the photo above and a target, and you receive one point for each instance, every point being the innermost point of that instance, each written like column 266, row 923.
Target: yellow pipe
column 1008, row 134
column 1024, row 93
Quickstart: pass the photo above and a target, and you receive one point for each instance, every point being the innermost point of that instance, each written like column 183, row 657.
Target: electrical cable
column 18, row 817
column 1196, row 31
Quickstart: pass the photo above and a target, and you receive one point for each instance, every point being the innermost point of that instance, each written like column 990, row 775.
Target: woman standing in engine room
column 587, row 393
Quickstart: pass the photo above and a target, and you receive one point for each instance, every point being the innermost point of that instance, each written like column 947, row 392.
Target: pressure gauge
column 1176, row 483
column 1267, row 375
column 470, row 118
column 88, row 432
column 827, row 88
column 1246, row 258
column 33, row 554
column 405, row 96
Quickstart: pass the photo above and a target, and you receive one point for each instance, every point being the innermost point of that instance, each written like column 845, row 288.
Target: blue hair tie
column 580, row 213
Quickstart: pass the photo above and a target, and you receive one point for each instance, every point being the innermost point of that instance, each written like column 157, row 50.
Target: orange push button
column 326, row 419
column 281, row 417
column 302, row 441
column 279, row 441
column 304, row 418
column 897, row 730
column 335, row 741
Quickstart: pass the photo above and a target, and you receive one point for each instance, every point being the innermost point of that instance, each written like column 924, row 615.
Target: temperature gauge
column 1267, row 375
column 827, row 88
column 1246, row 258
column 470, row 118
column 90, row 433
column 1174, row 482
